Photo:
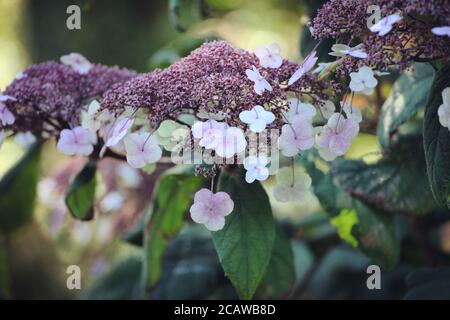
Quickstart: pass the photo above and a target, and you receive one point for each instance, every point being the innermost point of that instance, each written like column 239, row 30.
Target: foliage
column 18, row 191
column 407, row 97
column 80, row 195
column 164, row 219
column 436, row 139
column 245, row 244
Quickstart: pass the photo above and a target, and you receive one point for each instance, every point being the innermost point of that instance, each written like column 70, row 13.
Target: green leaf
column 184, row 13
column 344, row 222
column 280, row 273
column 5, row 285
column 80, row 195
column 408, row 95
column 245, row 244
column 429, row 283
column 395, row 184
column 119, row 283
column 18, row 191
column 171, row 200
column 436, row 139
column 191, row 268
column 374, row 230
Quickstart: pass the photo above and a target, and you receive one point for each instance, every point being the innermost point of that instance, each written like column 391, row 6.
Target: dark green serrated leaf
column 436, row 140
column 245, row 244
column 428, row 283
column 280, row 273
column 408, row 95
column 18, row 191
column 80, row 195
column 374, row 231
column 395, row 184
column 171, row 200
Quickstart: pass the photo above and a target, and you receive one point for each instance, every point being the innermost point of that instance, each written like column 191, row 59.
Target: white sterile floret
column 298, row 109
column 336, row 136
column 142, row 148
column 340, row 50
column 363, row 81
column 210, row 209
column 385, row 25
column 260, row 84
column 77, row 62
column 76, row 141
column 257, row 118
column 269, row 56
column 441, row 31
column 327, row 109
column 6, row 116
column 304, row 68
column 25, row 139
column 119, row 131
column 233, row 142
column 351, row 112
column 444, row 109
column 256, row 168
column 210, row 133
column 298, row 135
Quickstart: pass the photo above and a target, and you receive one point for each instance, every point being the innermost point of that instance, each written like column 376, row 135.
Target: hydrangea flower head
column 211, row 209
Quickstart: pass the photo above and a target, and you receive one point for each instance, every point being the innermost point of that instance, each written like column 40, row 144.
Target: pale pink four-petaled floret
column 6, row 116
column 77, row 141
column 336, row 136
column 211, row 209
column 296, row 136
column 142, row 148
column 269, row 56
